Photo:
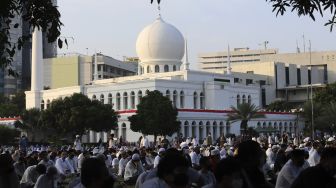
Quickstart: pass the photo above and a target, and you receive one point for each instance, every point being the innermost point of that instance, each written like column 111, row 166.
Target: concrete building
column 203, row 99
column 77, row 69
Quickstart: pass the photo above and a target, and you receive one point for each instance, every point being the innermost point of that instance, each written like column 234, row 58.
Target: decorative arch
column 118, row 101
column 109, row 99
column 102, row 98
column 125, row 96
column 181, row 99
column 157, row 68
column 175, row 98
column 132, row 100
column 174, row 67
column 238, row 99
column 166, row 68
column 195, row 100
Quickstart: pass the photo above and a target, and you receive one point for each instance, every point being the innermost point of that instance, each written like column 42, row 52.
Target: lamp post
column 297, row 111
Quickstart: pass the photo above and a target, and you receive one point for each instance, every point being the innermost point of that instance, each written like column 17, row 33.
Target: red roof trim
column 8, row 119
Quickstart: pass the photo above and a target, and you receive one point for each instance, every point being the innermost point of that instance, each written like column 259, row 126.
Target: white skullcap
column 135, row 157
column 95, row 151
column 331, row 139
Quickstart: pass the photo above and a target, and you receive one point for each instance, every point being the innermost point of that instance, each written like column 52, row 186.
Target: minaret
column 186, row 62
column 37, row 61
column 95, row 74
column 229, row 61
column 33, row 97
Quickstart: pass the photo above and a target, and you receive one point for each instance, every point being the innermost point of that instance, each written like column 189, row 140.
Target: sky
column 112, row 26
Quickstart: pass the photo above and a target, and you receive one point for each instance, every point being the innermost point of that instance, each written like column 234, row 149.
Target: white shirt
column 314, row 157
column 208, row 178
column 155, row 183
column 145, row 142
column 156, row 161
column 132, row 170
column 63, row 166
column 72, row 162
column 78, row 145
column 288, row 174
column 122, row 165
column 30, row 176
column 195, row 158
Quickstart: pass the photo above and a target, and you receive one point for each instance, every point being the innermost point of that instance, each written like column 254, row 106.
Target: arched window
column 148, row 69
column 249, row 99
column 168, row 94
column 175, row 98
column 238, row 100
column 195, row 100
column 157, row 68
column 102, row 98
column 275, row 126
column 202, row 100
column 109, row 99
column 186, row 129
column 174, row 68
column 139, row 96
column 118, row 101
column 181, row 99
column 244, row 99
column 166, row 68
column 269, row 124
column 94, row 97
column 132, row 100
column 48, row 103
column 285, row 127
column 258, row 125
column 42, row 105
column 146, row 92
column 125, row 96
column 264, row 125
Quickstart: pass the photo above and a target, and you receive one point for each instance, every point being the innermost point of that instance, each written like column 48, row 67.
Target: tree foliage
column 155, row 116
column 77, row 114
column 279, row 105
column 309, row 8
column 12, row 106
column 244, row 113
column 8, row 135
column 37, row 13
column 326, row 95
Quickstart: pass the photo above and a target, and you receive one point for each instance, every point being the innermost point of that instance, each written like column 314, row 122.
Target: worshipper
column 94, row 174
column 291, row 169
column 228, row 174
column 252, row 158
column 23, row 143
column 73, row 161
column 195, row 157
column 112, row 141
column 63, row 166
column 159, row 156
column 322, row 175
column 81, row 157
column 223, row 152
column 43, row 158
column 8, row 177
column 48, row 180
column 209, row 140
column 16, row 155
column 271, row 155
column 31, row 175
column 20, row 167
column 78, row 143
column 122, row 163
column 133, row 169
column 144, row 142
column 314, row 156
column 280, row 158
column 205, row 171
column 172, row 171
column 214, row 158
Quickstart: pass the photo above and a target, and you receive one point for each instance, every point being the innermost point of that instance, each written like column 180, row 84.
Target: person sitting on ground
column 49, row 179
column 291, row 170
column 321, row 175
column 133, row 170
column 31, row 175
column 94, row 174
column 63, row 166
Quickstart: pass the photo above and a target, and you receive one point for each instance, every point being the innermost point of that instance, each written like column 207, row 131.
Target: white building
column 203, row 99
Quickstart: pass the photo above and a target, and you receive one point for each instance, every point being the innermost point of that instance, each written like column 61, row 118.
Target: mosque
column 203, row 99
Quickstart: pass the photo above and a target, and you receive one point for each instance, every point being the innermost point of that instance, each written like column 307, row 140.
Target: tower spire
column 186, row 62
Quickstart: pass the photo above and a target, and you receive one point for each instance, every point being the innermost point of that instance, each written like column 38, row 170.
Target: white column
column 37, row 61
column 197, row 132
column 204, row 132
column 92, row 137
column 182, row 130
column 211, row 132
column 190, row 130
column 218, row 131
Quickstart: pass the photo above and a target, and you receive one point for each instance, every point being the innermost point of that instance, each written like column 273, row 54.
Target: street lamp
column 297, row 111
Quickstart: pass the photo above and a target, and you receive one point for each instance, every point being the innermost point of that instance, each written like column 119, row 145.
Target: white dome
column 160, row 43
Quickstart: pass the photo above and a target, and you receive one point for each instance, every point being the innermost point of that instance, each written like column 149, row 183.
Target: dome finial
column 159, row 10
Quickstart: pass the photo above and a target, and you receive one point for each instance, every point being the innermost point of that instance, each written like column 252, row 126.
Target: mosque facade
column 203, row 99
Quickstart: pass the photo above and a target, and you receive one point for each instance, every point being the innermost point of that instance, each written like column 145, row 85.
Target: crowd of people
column 262, row 162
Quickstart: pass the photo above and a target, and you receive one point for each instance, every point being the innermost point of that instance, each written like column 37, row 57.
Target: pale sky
column 112, row 26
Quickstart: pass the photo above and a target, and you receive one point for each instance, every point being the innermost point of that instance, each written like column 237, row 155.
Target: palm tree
column 244, row 113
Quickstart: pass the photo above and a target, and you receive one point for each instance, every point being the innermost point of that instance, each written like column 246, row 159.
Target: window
column 109, row 99
column 157, row 68
column 166, row 68
column 139, row 96
column 125, row 100
column 238, row 100
column 181, row 99
column 48, row 103
column 94, row 97
column 123, row 131
column 195, row 100
column 202, row 100
column 42, row 105
column 249, row 81
column 309, row 77
column 148, row 69
column 249, row 99
column 244, row 99
column 250, row 72
column 102, row 98
column 174, row 68
column 168, row 94
column 298, row 74
column 287, row 75
column 118, row 101
column 132, row 100
column 175, row 98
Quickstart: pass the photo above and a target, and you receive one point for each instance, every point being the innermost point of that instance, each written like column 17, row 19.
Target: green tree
column 8, row 109
column 77, row 114
column 316, row 116
column 19, row 99
column 8, row 135
column 327, row 122
column 279, row 105
column 307, row 8
column 30, row 122
column 326, row 95
column 155, row 116
column 244, row 113
column 36, row 13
